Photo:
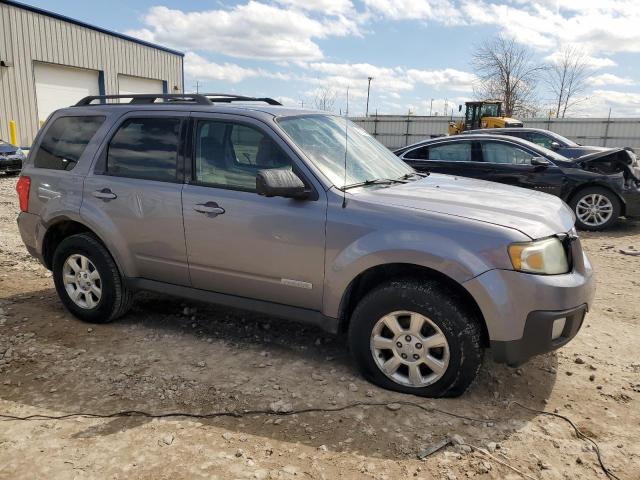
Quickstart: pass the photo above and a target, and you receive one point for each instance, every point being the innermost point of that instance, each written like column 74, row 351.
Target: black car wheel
column 416, row 337
column 88, row 281
column 596, row 208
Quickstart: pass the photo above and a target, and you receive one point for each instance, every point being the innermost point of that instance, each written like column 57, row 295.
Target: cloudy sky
column 415, row 50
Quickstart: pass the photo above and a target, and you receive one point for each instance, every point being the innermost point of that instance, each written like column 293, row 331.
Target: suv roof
column 222, row 102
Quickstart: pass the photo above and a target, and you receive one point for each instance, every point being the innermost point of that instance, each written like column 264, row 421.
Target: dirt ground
column 168, row 355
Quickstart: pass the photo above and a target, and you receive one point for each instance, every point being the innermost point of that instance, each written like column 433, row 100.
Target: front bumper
column 519, row 308
column 632, row 202
column 538, row 335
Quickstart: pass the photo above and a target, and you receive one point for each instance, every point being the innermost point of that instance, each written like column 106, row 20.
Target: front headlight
column 20, row 153
column 545, row 256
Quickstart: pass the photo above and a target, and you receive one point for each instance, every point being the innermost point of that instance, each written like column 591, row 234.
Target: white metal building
column 48, row 61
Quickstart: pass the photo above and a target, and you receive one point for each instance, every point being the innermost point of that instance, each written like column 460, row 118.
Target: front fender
column 458, row 256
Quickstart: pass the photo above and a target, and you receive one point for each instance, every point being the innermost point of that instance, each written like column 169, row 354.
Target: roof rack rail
column 148, row 98
column 228, row 98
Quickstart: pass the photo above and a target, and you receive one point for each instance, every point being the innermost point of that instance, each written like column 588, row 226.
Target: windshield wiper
column 377, row 181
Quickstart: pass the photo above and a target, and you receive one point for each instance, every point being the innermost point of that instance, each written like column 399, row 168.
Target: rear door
column 509, row 163
column 241, row 243
column 456, row 157
column 134, row 198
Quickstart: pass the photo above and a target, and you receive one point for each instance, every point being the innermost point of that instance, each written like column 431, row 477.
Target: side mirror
column 540, row 162
column 555, row 146
column 280, row 182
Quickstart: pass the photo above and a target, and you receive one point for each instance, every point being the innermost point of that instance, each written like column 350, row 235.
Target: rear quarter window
column 65, row 140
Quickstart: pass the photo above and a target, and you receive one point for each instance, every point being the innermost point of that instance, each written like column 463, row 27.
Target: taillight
column 22, row 187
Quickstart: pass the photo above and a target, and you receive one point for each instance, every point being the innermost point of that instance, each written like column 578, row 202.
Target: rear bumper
column 538, row 335
column 28, row 225
column 10, row 165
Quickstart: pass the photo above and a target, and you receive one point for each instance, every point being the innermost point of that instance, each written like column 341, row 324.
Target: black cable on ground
column 245, row 413
column 579, row 434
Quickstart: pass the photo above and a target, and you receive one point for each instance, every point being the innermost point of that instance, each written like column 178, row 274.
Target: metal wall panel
column 27, row 37
column 396, row 131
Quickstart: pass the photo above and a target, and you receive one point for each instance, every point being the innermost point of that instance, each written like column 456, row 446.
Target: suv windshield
column 322, row 139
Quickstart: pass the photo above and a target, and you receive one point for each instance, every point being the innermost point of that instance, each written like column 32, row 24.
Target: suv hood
column 533, row 213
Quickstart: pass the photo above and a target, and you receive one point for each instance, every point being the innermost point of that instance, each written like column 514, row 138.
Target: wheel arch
column 595, row 184
column 379, row 274
column 59, row 229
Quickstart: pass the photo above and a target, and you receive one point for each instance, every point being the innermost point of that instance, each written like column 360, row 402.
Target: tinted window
column 451, row 152
column 421, row 153
column 65, row 141
column 145, row 148
column 230, row 154
column 540, row 139
column 494, row 152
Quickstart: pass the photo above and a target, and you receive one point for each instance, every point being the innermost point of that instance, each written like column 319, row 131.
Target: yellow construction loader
column 486, row 114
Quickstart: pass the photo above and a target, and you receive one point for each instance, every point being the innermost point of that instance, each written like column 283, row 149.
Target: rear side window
column 65, row 140
column 145, row 148
column 451, row 152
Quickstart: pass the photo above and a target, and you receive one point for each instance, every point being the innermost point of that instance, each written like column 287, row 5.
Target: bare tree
column 566, row 78
column 325, row 99
column 506, row 71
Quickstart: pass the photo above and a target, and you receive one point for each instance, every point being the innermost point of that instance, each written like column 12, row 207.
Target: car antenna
column 346, row 145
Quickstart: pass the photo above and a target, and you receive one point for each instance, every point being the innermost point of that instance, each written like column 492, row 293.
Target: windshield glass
column 490, row 110
column 322, row 139
column 569, row 143
column 550, row 154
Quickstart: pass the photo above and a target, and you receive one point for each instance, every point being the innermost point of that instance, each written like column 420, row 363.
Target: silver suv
column 301, row 215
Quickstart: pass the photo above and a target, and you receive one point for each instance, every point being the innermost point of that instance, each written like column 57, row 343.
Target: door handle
column 209, row 208
column 104, row 194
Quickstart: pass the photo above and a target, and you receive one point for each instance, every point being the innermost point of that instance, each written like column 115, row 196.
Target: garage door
column 58, row 86
column 128, row 85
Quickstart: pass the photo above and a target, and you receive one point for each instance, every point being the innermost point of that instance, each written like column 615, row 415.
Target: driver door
column 508, row 163
column 238, row 242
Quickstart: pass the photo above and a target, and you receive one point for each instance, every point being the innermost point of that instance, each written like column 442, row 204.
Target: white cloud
column 198, row 67
column 330, row 7
column 390, row 81
column 442, row 11
column 622, row 104
column 253, row 30
column 590, row 61
column 448, row 78
column 608, row 79
column 598, row 26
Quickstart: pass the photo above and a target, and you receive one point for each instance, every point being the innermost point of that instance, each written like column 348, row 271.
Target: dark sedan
column 11, row 158
column 597, row 189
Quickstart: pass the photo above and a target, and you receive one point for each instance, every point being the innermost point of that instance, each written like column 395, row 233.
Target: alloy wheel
column 409, row 349
column 82, row 281
column 594, row 209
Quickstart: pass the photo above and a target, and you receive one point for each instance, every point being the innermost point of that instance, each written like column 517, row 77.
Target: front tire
column 596, row 208
column 88, row 281
column 416, row 337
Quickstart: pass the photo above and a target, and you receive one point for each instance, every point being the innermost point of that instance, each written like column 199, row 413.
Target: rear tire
column 88, row 281
column 447, row 338
column 596, row 208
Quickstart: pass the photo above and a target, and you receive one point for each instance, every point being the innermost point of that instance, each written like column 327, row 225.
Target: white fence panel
column 395, row 131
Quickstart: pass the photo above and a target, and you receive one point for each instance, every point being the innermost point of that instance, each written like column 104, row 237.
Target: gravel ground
column 168, row 355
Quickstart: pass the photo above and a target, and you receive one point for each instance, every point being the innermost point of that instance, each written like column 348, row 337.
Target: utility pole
column 431, row 107
column 347, row 112
column 301, row 103
column 197, row 86
column 368, row 91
